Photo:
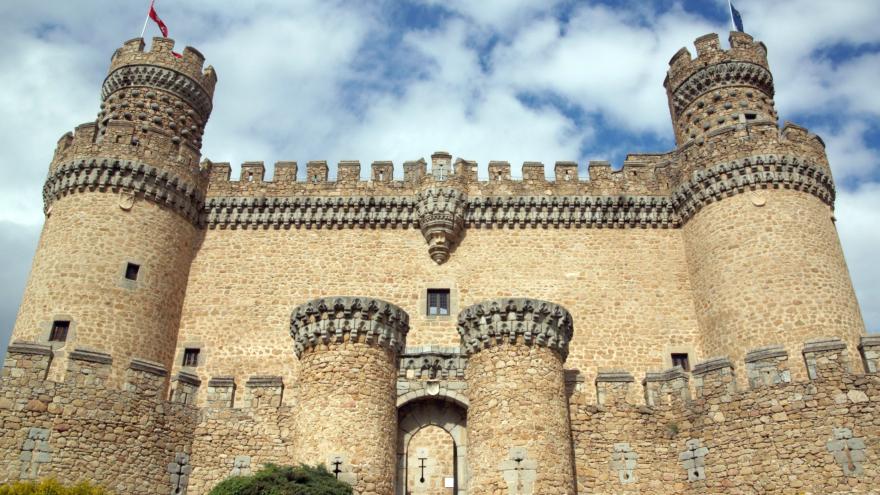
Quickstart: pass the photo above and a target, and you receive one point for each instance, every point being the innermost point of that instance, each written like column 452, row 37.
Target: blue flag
column 737, row 18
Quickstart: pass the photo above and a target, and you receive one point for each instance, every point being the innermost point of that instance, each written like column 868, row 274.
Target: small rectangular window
column 681, row 360
column 131, row 271
column 191, row 357
column 59, row 331
column 438, row 302
column 751, row 116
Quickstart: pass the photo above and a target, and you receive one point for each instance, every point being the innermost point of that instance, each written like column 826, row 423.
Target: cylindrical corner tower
column 348, row 349
column 518, row 422
column 122, row 200
column 757, row 205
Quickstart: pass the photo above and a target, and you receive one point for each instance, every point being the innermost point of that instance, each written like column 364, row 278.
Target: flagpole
column 730, row 14
column 144, row 29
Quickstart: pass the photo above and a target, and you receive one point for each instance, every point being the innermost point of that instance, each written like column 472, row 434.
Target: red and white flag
column 162, row 27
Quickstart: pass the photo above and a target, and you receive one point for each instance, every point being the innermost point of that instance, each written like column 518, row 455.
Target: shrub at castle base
column 277, row 480
column 50, row 487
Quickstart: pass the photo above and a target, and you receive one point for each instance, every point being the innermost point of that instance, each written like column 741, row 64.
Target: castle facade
column 685, row 324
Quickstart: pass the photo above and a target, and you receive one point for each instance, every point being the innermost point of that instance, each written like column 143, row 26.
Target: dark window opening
column 681, row 360
column 191, row 357
column 751, row 116
column 438, row 302
column 59, row 331
column 131, row 271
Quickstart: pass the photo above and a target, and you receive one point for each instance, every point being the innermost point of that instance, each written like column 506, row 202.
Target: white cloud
column 848, row 152
column 856, row 212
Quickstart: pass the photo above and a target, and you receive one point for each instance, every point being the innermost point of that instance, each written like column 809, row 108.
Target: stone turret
column 348, row 349
column 757, row 208
column 520, row 438
column 719, row 88
column 123, row 201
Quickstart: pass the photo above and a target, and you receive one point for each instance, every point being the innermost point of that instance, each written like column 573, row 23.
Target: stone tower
column 348, row 349
column 757, row 207
column 122, row 202
column 516, row 350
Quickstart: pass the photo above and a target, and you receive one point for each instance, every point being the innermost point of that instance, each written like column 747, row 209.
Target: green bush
column 284, row 480
column 50, row 487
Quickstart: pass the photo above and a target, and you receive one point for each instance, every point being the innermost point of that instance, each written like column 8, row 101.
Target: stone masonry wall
column 627, row 290
column 348, row 414
column 773, row 436
column 78, row 275
column 83, row 429
column 435, row 446
column 768, row 268
column 518, row 426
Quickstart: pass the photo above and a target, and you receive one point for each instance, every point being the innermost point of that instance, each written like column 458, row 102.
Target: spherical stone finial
column 364, row 319
column 537, row 322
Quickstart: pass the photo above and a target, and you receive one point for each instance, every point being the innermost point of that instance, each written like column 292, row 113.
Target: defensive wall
column 699, row 432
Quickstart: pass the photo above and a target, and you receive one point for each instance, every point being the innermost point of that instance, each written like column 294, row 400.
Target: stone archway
column 415, row 415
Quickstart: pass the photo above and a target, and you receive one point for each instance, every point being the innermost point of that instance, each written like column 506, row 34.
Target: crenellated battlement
column 190, row 64
column 743, row 48
column 825, row 359
column 639, row 174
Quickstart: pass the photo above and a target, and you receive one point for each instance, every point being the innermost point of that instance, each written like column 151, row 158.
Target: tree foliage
column 50, row 487
column 284, row 480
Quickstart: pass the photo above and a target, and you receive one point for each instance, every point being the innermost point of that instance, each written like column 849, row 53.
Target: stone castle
column 683, row 325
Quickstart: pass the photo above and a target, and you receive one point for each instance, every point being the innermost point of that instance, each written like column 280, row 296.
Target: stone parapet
column 146, row 377
column 667, row 387
column 714, row 377
column 334, row 320
column 125, row 176
column 826, row 358
column 767, row 366
column 518, row 320
column 221, row 391
column 613, row 387
column 264, row 391
column 869, row 346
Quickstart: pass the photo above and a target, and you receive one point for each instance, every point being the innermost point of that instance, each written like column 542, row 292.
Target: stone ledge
column 29, row 348
column 264, row 381
column 90, row 356
column 824, row 345
column 712, row 364
column 150, row 367
column 221, row 381
column 618, row 376
column 869, row 341
column 188, row 378
column 764, row 353
column 666, row 375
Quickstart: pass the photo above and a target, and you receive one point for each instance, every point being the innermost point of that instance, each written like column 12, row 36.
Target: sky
column 515, row 80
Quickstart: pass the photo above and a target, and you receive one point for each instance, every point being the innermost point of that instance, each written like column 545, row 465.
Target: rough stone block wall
column 525, row 386
column 817, row 436
column 82, row 429
column 630, row 298
column 228, row 442
column 78, row 275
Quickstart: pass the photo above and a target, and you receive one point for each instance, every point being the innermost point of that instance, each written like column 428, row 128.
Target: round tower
column 122, row 200
column 348, row 349
column 720, row 88
column 756, row 204
column 518, row 423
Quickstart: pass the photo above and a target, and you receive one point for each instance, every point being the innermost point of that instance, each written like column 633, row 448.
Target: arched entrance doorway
column 432, row 447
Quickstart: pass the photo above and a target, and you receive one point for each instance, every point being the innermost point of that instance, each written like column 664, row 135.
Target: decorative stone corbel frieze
column 362, row 319
column 536, row 322
column 112, row 174
column 441, row 214
column 723, row 74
